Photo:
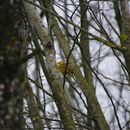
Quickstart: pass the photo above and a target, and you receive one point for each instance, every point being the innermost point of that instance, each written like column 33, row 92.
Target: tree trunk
column 11, row 72
column 126, row 32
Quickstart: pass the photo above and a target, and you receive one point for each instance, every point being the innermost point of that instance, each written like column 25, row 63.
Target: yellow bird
column 61, row 66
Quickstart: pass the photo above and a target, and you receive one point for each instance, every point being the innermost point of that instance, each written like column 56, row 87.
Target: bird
column 64, row 68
